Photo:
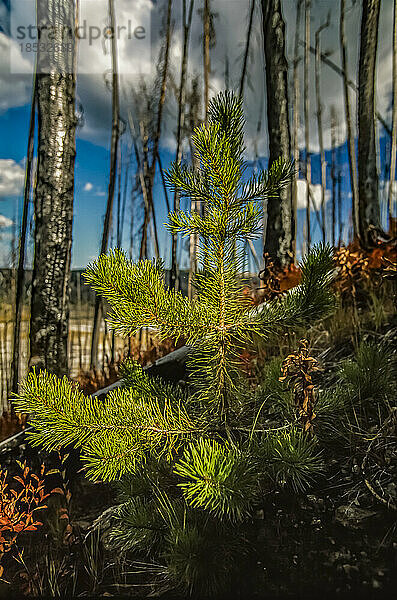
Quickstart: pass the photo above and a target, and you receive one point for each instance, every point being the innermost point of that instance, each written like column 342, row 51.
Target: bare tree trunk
column 206, row 71
column 142, row 184
column 187, row 23
column 132, row 209
column 333, row 172
column 280, row 222
column 193, row 238
column 22, row 245
column 114, row 142
column 124, row 202
column 147, row 207
column 296, row 117
column 350, row 84
column 368, row 205
column 247, row 48
column 118, row 235
column 206, row 56
column 392, row 190
column 340, row 230
column 306, row 111
column 152, row 168
column 118, row 223
column 320, row 126
column 54, row 190
column 165, row 190
column 349, row 126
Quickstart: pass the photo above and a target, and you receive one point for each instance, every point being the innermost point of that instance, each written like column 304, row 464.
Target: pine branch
column 219, row 478
column 138, row 298
column 309, row 301
column 115, row 435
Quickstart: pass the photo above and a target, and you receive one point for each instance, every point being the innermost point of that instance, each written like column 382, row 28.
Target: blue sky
column 93, row 137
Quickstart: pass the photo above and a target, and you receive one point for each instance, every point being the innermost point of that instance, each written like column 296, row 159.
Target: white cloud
column 5, row 222
column 315, row 193
column 95, row 189
column 15, row 90
column 230, row 27
column 11, row 178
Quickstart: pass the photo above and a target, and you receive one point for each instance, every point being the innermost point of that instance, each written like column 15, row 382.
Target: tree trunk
column 54, row 190
column 333, row 172
column 98, row 310
column 194, row 110
column 280, row 223
column 22, row 246
column 206, row 55
column 296, row 116
column 350, row 84
column 392, row 191
column 306, row 101
column 187, row 23
column 349, row 126
column 340, row 223
column 151, row 170
column 368, row 204
column 247, row 48
column 320, row 126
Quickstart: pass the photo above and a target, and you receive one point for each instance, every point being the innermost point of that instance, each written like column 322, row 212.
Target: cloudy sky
column 138, row 59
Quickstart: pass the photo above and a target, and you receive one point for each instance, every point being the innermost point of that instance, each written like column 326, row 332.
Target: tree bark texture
column 349, row 124
column 392, row 191
column 280, row 223
column 206, row 55
column 53, row 197
column 22, row 245
column 320, row 126
column 187, row 24
column 368, row 205
column 306, row 105
column 114, row 142
column 296, row 121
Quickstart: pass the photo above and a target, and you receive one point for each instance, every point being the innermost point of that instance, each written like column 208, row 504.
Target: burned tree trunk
column 206, row 55
column 187, row 24
column 368, row 202
column 247, row 49
column 295, row 149
column 98, row 309
column 333, row 173
column 320, row 126
column 53, row 198
column 306, row 102
column 22, row 245
column 349, row 124
column 394, row 122
column 280, row 223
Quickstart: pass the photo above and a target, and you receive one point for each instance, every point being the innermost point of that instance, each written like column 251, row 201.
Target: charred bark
column 296, row 122
column 320, row 125
column 368, row 202
column 187, row 24
column 392, row 191
column 114, row 142
column 306, row 103
column 54, row 190
column 22, row 246
column 349, row 124
column 280, row 223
